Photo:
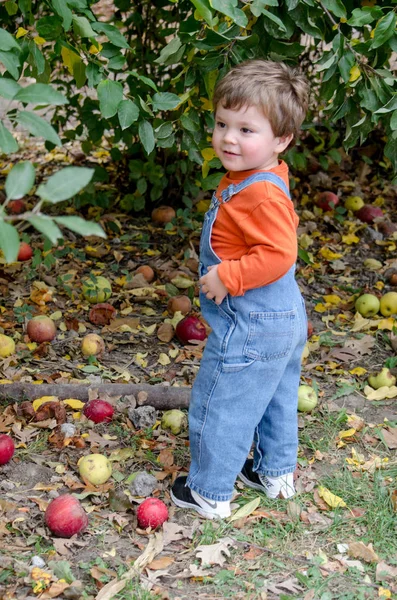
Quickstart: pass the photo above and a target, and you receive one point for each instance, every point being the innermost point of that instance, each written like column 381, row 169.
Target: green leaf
column 165, row 101
column 12, row 62
column 146, row 135
column 144, row 79
column 384, row 29
column 212, row 181
column 364, row 16
column 8, row 144
column 128, row 113
column 82, row 27
column 391, row 152
column 390, row 106
column 50, row 28
column 20, row 180
column 336, row 7
column 246, row 510
column 47, row 227
column 62, row 9
column 11, row 7
column 37, row 57
column 7, row 41
column 230, row 9
column 40, row 93
column 275, row 19
column 9, row 241
column 305, row 256
column 114, row 35
column 8, row 88
column 169, row 50
column 81, row 226
column 110, row 94
column 64, row 184
column 203, row 8
column 38, row 126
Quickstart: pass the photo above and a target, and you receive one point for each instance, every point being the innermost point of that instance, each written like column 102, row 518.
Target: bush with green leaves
column 139, row 80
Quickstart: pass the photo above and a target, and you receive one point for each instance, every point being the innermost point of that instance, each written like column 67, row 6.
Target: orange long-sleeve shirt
column 254, row 233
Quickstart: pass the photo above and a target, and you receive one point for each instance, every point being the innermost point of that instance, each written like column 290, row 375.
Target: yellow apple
column 367, row 305
column 354, row 203
column 95, row 469
column 307, row 398
column 92, row 345
column 384, row 378
column 388, row 304
column 7, row 346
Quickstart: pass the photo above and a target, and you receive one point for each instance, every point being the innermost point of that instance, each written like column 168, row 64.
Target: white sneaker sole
column 199, row 509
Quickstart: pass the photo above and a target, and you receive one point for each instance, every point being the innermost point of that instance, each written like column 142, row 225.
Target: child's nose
column 229, row 136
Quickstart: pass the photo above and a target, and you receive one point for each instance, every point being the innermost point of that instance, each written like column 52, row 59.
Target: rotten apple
column 41, row 329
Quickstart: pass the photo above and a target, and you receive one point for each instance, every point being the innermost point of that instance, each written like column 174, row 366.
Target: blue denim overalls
column 246, row 387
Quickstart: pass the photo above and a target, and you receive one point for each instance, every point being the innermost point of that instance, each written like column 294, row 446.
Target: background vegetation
column 138, row 80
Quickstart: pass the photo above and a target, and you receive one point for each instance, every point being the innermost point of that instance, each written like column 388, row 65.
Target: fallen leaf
column 360, row 550
column 331, row 499
column 215, row 554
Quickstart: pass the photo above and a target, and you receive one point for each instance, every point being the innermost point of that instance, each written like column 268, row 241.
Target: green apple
column 175, row 420
column 307, row 398
column 354, row 203
column 382, row 379
column 388, row 304
column 367, row 305
column 97, row 289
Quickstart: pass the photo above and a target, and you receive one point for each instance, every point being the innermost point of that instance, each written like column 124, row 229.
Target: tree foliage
column 140, row 79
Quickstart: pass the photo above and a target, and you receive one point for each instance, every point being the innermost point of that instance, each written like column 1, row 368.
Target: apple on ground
column 354, row 203
column 95, row 469
column 152, row 513
column 367, row 305
column 147, row 272
column 97, row 289
column 99, row 411
column 25, row 252
column 388, row 304
column 190, row 328
column 175, row 420
column 368, row 213
column 327, row 201
column 179, row 303
column 65, row 516
column 382, row 379
column 41, row 329
column 307, row 398
column 7, row 346
column 163, row 214
column 16, row 207
column 7, row 448
column 92, row 345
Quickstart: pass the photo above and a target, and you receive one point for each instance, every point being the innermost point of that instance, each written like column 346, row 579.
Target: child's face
column 243, row 139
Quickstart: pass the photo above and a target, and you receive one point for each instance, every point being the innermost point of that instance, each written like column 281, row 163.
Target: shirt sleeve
column 270, row 232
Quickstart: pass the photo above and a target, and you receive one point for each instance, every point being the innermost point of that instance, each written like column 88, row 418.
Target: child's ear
column 284, row 142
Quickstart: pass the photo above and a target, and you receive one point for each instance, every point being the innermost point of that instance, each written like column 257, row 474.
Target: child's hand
column 212, row 286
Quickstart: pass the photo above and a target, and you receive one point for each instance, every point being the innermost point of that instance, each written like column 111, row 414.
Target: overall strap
column 233, row 189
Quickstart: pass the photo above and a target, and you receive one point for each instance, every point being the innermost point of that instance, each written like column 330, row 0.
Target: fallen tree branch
column 160, row 396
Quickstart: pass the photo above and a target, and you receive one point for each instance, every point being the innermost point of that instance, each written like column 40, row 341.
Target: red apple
column 7, row 448
column 16, row 207
column 65, row 516
column 152, row 513
column 25, row 251
column 368, row 213
column 327, row 201
column 98, row 411
column 190, row 328
column 41, row 329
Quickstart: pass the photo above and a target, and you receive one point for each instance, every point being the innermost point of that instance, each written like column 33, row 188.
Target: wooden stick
column 160, row 396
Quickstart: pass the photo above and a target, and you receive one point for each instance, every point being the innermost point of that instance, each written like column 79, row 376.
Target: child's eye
column 220, row 124
column 246, row 130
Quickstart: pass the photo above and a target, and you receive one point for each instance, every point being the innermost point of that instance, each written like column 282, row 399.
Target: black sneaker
column 184, row 497
column 273, row 487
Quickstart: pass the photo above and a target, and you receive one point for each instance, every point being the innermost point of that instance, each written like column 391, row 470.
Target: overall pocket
column 270, row 335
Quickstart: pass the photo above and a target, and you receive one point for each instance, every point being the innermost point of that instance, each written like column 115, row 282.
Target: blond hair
column 280, row 91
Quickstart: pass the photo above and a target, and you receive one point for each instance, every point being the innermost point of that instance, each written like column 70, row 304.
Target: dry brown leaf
column 360, row 550
column 389, row 435
column 385, row 572
column 215, row 554
column 161, row 563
